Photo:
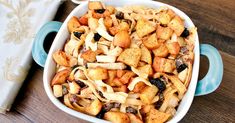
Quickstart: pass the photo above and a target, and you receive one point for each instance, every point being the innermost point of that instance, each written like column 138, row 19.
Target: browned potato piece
column 122, row 39
column 98, row 73
column 60, row 77
column 173, row 48
column 61, row 58
column 73, row 24
column 89, row 56
column 113, row 30
column 126, row 77
column 134, row 118
column 116, row 117
column 171, row 13
column 74, row 88
column 140, row 64
column 123, row 26
column 163, row 65
column 164, row 32
column 108, row 22
column 151, row 42
column 169, row 66
column 92, row 5
column 148, row 93
column 146, row 109
column 94, row 108
column 156, row 116
column 138, row 87
column 162, row 51
column 146, row 69
column 177, row 25
column 130, row 56
column 57, row 90
column 122, row 88
column 120, row 73
column 145, row 55
column 143, row 28
column 165, row 18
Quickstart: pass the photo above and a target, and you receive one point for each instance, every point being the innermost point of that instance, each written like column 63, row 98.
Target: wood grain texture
column 216, row 25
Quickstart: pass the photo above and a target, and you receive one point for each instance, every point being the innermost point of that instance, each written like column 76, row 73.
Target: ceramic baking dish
column 196, row 88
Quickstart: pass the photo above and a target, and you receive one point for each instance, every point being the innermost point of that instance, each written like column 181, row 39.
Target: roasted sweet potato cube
column 145, row 55
column 158, row 64
column 93, row 5
column 148, row 93
column 130, row 56
column 73, row 24
column 177, row 24
column 173, row 48
column 126, row 77
column 162, row 51
column 151, row 42
column 143, row 28
column 83, row 20
column 117, row 82
column 120, row 73
column 164, row 32
column 89, row 56
column 111, row 75
column 122, row 88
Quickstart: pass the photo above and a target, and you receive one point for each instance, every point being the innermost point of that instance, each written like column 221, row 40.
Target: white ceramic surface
column 63, row 34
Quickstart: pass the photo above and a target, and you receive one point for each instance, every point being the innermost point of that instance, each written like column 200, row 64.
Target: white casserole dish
column 207, row 85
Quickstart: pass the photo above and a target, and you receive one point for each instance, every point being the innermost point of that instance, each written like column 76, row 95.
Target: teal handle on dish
column 38, row 52
column 214, row 76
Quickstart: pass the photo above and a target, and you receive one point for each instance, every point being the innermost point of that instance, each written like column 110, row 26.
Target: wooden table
column 215, row 20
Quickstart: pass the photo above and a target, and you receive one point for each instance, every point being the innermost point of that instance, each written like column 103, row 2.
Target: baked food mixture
column 129, row 64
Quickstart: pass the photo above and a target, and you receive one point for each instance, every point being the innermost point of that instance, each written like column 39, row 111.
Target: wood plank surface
column 216, row 25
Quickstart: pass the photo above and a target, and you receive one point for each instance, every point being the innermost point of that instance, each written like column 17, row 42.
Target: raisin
column 129, row 109
column 158, row 83
column 78, row 34
column 97, row 37
column 80, row 83
column 181, row 67
column 101, row 114
column 108, row 106
column 158, row 104
column 100, row 11
column 185, row 33
column 101, row 94
column 119, row 15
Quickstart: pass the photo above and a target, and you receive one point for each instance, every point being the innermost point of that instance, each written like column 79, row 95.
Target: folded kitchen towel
column 19, row 21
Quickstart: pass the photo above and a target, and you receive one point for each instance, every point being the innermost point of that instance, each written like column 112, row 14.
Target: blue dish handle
column 214, row 76
column 38, row 52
